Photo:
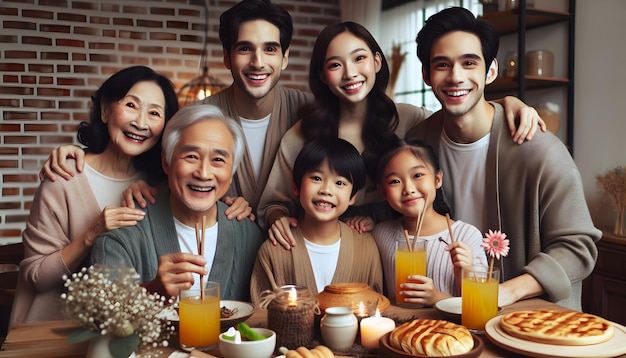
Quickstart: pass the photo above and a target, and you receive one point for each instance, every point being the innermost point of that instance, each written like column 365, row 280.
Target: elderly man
column 201, row 151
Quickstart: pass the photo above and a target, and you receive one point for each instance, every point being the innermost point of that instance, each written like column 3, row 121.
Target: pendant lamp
column 204, row 85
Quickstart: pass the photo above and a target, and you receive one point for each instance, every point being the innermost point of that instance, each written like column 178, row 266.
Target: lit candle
column 373, row 328
column 293, row 297
column 362, row 310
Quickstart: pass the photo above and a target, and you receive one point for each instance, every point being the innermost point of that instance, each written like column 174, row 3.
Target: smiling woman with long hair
column 123, row 140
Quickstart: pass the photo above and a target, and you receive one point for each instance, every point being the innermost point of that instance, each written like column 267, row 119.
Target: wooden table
column 48, row 339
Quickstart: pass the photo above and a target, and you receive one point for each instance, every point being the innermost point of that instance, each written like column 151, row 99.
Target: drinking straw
column 408, row 241
column 449, row 222
column 419, row 223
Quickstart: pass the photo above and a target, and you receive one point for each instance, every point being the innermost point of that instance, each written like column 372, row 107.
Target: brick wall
column 55, row 53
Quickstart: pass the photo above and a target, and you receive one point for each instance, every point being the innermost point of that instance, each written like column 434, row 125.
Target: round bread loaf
column 435, row 338
column 561, row 327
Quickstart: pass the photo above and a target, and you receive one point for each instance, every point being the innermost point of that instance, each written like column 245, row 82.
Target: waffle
column 567, row 328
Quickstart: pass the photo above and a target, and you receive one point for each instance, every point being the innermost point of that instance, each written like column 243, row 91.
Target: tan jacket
column 287, row 102
column 358, row 261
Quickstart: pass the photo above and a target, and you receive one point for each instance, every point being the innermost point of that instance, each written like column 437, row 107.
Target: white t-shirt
column 255, row 132
column 187, row 241
column 464, row 168
column 324, row 262
column 108, row 191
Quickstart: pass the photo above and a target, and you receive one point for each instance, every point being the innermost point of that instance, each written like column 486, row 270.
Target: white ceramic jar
column 339, row 327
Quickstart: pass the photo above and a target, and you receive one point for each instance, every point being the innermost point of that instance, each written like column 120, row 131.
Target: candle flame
column 293, row 297
column 377, row 312
column 361, row 309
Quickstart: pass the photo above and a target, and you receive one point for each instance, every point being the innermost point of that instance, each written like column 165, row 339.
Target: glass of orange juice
column 479, row 297
column 409, row 263
column 199, row 326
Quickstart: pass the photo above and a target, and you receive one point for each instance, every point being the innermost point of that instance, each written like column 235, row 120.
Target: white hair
column 192, row 114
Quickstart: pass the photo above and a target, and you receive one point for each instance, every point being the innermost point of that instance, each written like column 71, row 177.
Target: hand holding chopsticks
column 200, row 242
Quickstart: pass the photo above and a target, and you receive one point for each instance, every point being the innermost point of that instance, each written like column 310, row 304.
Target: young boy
column 327, row 175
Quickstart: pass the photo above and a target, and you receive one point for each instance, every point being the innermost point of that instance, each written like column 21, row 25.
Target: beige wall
column 600, row 119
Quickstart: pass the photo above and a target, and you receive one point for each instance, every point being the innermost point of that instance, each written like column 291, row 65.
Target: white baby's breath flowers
column 110, row 300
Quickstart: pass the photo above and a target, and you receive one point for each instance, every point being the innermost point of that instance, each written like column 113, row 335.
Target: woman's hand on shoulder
column 360, row 223
column 57, row 162
column 523, row 120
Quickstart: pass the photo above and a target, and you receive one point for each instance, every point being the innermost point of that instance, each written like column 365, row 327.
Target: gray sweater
column 140, row 246
column 534, row 194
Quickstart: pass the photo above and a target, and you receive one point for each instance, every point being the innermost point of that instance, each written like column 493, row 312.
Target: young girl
column 408, row 176
column 327, row 175
column 348, row 75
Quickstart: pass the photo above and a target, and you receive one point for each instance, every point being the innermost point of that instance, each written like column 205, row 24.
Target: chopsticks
column 419, row 223
column 200, row 242
column 418, row 228
column 449, row 222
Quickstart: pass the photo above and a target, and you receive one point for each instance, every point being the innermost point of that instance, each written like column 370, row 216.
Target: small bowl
column 244, row 311
column 451, row 308
column 250, row 349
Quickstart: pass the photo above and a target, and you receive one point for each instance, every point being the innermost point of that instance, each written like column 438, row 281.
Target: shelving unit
column 518, row 21
column 604, row 291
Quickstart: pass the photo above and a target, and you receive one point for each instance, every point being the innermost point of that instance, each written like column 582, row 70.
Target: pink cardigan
column 61, row 212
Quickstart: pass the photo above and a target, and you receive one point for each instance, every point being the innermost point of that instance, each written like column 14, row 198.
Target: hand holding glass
column 409, row 262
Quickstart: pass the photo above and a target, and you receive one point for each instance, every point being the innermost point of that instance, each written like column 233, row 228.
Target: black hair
column 341, row 157
column 456, row 19
column 423, row 152
column 94, row 134
column 320, row 119
column 248, row 10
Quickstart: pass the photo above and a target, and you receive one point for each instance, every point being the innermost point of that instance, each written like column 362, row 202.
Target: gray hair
column 192, row 114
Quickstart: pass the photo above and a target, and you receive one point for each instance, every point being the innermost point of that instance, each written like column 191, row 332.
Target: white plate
column 244, row 311
column 450, row 305
column 611, row 348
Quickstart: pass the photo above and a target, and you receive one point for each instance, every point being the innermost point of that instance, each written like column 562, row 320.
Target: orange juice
column 199, row 321
column 407, row 264
column 479, row 299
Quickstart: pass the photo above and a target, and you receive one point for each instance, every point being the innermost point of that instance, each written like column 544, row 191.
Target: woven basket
column 350, row 295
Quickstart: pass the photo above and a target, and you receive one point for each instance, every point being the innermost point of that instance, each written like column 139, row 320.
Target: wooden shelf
column 511, row 84
column 507, row 22
column 519, row 21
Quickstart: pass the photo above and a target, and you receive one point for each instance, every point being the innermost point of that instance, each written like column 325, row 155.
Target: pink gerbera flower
column 495, row 244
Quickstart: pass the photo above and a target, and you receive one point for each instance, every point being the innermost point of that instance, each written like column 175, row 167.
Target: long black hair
column 94, row 134
column 320, row 119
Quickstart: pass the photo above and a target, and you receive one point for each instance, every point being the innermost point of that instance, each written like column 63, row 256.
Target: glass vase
column 99, row 347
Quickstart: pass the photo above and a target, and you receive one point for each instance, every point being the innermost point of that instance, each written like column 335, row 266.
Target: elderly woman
column 123, row 140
